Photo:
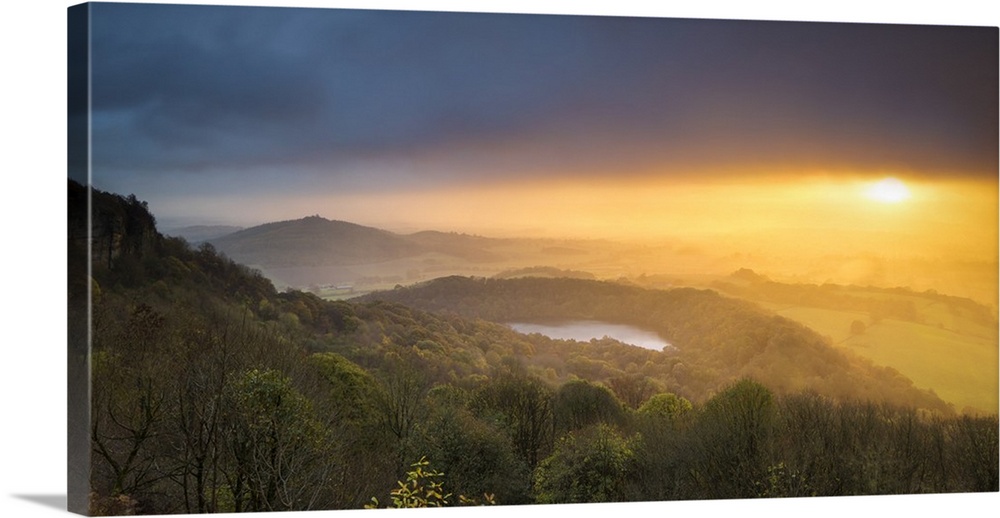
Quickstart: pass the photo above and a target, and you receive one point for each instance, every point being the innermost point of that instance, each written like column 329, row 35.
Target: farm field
column 957, row 359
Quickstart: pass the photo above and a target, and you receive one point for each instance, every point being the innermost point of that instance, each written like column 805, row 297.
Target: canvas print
column 327, row 259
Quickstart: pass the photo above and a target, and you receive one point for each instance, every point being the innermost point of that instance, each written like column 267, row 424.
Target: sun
column 888, row 190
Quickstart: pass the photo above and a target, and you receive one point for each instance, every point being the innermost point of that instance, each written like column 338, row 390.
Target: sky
column 222, row 114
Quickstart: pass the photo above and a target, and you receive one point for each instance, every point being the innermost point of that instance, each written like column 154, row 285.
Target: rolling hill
column 719, row 339
column 322, row 254
column 194, row 364
column 196, row 234
column 314, row 241
column 941, row 342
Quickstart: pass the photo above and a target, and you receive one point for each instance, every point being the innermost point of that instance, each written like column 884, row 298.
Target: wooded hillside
column 719, row 339
column 213, row 392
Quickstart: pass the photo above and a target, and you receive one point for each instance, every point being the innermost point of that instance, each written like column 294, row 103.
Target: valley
column 200, row 363
column 946, row 344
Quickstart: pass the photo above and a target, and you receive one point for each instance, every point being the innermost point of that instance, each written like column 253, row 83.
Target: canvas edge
column 78, row 261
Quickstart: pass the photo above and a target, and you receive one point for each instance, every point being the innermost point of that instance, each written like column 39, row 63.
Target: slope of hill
column 314, row 241
column 204, row 389
column 475, row 249
column 719, row 339
column 322, row 255
column 941, row 342
column 198, row 233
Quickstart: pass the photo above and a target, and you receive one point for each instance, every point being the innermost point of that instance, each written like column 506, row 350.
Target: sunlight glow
column 889, row 190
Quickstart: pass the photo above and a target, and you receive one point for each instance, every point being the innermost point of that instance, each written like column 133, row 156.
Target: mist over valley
column 904, row 326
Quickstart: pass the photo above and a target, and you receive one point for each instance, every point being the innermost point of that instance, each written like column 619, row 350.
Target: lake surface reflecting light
column 585, row 330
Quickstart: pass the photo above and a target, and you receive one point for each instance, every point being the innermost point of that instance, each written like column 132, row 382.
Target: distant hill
column 314, row 241
column 327, row 256
column 464, row 246
column 544, row 271
column 200, row 233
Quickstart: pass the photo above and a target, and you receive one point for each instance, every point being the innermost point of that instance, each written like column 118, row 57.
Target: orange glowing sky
column 955, row 217
column 773, row 137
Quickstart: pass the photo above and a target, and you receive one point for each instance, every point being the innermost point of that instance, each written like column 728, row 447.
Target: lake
column 585, row 330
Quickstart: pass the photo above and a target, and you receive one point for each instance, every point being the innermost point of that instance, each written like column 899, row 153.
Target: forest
column 211, row 391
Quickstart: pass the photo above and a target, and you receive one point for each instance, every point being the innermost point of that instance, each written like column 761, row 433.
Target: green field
column 949, row 354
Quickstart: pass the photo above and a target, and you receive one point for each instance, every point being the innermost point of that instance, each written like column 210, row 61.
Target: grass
column 954, row 357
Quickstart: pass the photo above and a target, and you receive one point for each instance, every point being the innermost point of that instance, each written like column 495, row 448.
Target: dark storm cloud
column 198, row 90
column 320, row 82
column 192, row 87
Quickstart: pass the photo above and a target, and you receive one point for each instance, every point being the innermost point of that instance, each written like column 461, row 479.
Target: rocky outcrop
column 114, row 226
